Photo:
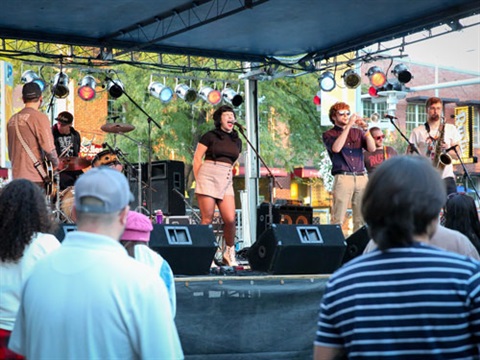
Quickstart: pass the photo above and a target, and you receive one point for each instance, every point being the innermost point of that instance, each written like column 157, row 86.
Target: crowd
column 414, row 293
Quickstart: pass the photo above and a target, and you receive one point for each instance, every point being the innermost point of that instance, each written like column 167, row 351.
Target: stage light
column 401, row 73
column 31, row 76
column 115, row 88
column 87, row 91
column 232, row 97
column 327, row 81
column 186, row 93
column 60, row 85
column 351, row 79
column 210, row 95
column 372, row 91
column 376, row 76
column 160, row 91
column 317, row 100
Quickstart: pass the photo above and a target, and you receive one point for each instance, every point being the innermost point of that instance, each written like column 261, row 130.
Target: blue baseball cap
column 108, row 189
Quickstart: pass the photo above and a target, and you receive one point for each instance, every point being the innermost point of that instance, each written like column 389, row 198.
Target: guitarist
column 30, row 138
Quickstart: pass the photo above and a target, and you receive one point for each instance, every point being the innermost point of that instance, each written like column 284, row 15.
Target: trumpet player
column 437, row 140
column 345, row 143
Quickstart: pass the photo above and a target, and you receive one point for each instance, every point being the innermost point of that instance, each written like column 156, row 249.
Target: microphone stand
column 272, row 178
column 149, row 145
column 413, row 148
column 139, row 171
column 465, row 173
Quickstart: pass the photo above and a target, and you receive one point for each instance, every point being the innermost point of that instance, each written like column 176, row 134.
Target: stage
column 248, row 315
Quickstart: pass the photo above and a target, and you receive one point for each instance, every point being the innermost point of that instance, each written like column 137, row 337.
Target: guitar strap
column 37, row 164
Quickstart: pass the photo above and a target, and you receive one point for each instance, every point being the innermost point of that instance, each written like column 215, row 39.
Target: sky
column 457, row 49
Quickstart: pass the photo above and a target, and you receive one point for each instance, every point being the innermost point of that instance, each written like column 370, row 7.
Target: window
column 415, row 116
column 476, row 127
column 369, row 108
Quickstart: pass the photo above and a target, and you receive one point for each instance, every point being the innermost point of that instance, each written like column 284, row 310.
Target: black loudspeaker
column 167, row 176
column 356, row 244
column 284, row 214
column 298, row 249
column 188, row 249
column 63, row 229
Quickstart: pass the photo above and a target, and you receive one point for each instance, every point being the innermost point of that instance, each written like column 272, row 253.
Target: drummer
column 67, row 142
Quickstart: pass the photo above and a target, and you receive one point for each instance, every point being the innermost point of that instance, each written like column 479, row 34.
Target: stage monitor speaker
column 63, row 230
column 189, row 249
column 284, row 214
column 298, row 249
column 356, row 244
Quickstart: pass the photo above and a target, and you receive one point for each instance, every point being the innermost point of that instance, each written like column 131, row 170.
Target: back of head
column 461, row 214
column 23, row 212
column 137, row 231
column 100, row 193
column 31, row 92
column 402, row 198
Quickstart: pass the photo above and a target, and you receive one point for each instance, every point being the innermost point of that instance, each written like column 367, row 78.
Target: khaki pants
column 346, row 189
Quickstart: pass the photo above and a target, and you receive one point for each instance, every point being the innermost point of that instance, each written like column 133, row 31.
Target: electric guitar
column 48, row 177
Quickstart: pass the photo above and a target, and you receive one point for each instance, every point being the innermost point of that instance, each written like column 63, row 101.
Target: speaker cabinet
column 168, row 177
column 284, row 214
column 356, row 244
column 298, row 249
column 189, row 249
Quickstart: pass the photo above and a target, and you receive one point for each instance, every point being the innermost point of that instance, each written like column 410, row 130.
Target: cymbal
column 117, row 128
column 72, row 163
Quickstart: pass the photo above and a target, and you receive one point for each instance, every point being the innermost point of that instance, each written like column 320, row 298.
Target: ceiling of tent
column 244, row 30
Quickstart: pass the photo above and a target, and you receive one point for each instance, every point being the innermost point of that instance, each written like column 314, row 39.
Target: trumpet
column 361, row 123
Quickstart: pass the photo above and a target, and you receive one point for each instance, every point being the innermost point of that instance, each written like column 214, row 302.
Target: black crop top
column 222, row 146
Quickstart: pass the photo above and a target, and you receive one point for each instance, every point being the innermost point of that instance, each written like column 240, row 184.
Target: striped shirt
column 406, row 303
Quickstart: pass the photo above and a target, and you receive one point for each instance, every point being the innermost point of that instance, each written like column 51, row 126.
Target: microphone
column 240, row 126
column 106, row 146
column 451, row 148
column 391, row 117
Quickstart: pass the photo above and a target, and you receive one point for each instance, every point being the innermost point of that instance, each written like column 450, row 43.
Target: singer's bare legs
column 227, row 211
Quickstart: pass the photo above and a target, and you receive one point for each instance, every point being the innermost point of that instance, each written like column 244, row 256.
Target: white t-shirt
column 13, row 276
column 420, row 138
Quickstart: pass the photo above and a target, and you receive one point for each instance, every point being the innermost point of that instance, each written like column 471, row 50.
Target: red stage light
column 316, row 100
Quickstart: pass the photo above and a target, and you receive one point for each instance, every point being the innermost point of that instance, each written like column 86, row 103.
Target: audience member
column 135, row 239
column 25, row 225
column 89, row 299
column 444, row 238
column 460, row 213
column 406, row 300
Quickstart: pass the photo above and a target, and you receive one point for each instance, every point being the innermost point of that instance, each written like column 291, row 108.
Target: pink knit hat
column 138, row 227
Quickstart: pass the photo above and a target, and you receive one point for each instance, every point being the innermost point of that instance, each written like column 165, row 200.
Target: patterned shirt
column 417, row 302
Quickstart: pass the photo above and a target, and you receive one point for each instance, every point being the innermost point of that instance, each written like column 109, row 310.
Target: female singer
column 216, row 153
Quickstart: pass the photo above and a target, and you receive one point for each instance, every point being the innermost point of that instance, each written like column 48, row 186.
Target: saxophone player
column 433, row 138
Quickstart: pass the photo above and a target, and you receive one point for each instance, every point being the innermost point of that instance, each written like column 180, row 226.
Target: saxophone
column 441, row 158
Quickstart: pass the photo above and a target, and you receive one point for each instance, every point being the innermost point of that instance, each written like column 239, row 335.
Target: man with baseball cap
column 67, row 142
column 30, row 139
column 90, row 299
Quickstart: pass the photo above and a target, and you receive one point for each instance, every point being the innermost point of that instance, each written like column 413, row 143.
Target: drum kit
column 64, row 199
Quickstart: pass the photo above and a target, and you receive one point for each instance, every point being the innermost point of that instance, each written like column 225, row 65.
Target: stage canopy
column 259, row 31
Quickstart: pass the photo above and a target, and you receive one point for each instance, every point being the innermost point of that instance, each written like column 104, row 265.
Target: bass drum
column 67, row 199
column 107, row 158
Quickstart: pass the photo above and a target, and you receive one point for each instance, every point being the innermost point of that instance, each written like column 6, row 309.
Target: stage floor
column 248, row 315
